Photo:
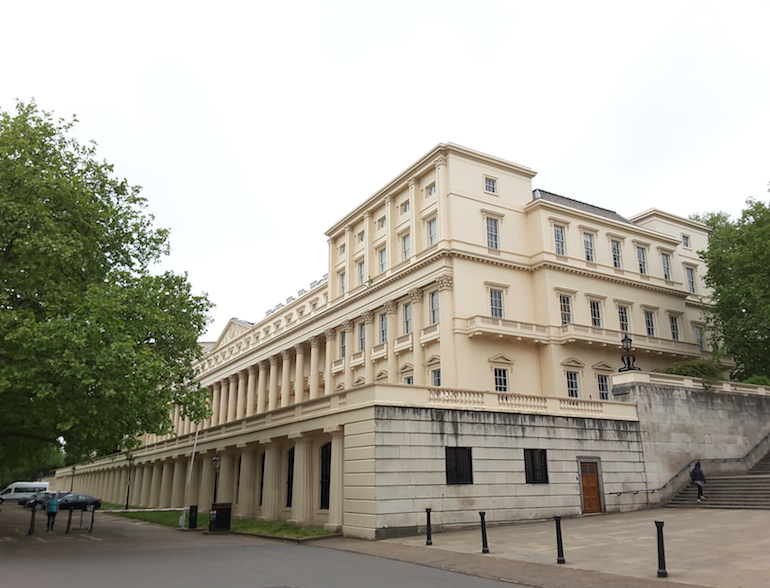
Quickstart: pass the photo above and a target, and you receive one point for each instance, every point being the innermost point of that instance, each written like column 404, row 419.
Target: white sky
column 255, row 126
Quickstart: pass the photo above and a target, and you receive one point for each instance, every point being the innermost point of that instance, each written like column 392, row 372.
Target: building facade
column 459, row 355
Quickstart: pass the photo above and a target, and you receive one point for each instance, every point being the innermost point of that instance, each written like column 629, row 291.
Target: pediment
column 501, row 359
column 603, row 366
column 234, row 329
column 573, row 362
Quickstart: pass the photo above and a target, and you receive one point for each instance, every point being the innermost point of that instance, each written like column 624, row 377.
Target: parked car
column 79, row 502
column 20, row 492
column 38, row 500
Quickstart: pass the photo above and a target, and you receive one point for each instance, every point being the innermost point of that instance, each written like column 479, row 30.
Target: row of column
column 268, row 384
column 165, row 484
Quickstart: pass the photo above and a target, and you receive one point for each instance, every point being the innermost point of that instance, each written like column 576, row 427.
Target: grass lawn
column 251, row 526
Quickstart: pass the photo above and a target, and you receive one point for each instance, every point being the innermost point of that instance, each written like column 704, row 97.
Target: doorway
column 589, row 485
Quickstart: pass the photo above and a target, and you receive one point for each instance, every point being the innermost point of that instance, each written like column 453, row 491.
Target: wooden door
column 589, row 480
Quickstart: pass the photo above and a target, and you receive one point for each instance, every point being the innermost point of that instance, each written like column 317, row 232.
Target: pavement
column 703, row 547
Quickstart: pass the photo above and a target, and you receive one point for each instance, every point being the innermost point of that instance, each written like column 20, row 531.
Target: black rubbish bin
column 219, row 517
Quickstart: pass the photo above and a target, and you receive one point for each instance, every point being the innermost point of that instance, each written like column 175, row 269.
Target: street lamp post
column 217, row 460
column 72, row 479
column 128, row 482
column 628, row 358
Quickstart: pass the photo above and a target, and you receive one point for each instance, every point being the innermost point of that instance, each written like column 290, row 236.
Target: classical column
column 261, row 391
column 299, row 373
column 337, row 486
column 369, row 336
column 442, row 189
column 392, row 308
column 157, row 474
column 446, row 334
column 418, row 353
column 285, row 377
column 135, row 497
column 414, row 220
column 232, row 398
column 166, row 481
column 314, row 367
column 146, row 484
column 178, row 483
column 271, row 484
column 193, row 489
column 368, row 240
column 330, row 335
column 240, row 399
column 251, row 387
column 272, row 400
column 223, row 401
column 213, row 420
column 206, row 486
column 248, row 474
column 303, row 487
column 348, row 327
column 226, row 473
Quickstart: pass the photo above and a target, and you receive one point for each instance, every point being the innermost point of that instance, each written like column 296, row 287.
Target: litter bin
column 219, row 517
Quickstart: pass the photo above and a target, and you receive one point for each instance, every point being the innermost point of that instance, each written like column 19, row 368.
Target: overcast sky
column 255, row 126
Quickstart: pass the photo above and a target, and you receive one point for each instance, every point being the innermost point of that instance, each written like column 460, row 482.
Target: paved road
column 121, row 553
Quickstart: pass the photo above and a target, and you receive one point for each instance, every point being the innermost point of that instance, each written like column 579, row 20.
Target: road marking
column 92, row 537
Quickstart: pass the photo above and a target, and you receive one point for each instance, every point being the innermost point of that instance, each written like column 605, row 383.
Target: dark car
column 79, row 502
column 39, row 499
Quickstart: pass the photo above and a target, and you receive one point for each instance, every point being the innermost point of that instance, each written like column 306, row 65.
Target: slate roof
column 582, row 206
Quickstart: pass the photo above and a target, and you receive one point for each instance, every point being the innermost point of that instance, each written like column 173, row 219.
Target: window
column 342, row 283
column 596, row 313
column 686, row 241
column 432, row 234
column 493, row 238
column 435, row 377
column 433, row 307
column 361, row 272
column 326, row 475
column 535, row 466
column 459, row 465
column 342, row 248
column 361, row 236
column 490, row 185
column 409, row 380
column 406, row 250
column 573, row 385
column 431, row 191
column 381, row 222
column 674, row 322
column 361, row 336
column 665, row 260
column 565, row 306
column 649, row 322
column 383, row 327
column 699, row 337
column 343, row 343
column 405, row 207
column 617, row 257
column 603, row 380
column 559, row 240
column 641, row 256
column 588, row 246
column 501, row 380
column 496, row 303
column 382, row 259
column 623, row 318
column 690, row 273
column 407, row 318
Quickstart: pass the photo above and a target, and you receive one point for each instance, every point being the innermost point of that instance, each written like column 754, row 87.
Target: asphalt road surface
column 122, row 553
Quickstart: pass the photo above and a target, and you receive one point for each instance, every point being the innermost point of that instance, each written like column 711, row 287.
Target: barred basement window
column 459, row 465
column 535, row 466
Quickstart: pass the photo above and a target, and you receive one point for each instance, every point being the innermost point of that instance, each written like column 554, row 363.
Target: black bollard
column 484, row 546
column 428, row 537
column 662, row 573
column 69, row 521
column 32, row 521
column 559, row 545
column 193, row 522
column 91, row 528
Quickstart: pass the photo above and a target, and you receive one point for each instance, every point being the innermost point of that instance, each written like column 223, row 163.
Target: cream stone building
column 460, row 355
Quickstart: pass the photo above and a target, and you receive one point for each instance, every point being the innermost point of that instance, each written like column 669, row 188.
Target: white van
column 21, row 491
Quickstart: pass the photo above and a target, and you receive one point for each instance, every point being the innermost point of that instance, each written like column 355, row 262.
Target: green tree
column 738, row 259
column 94, row 348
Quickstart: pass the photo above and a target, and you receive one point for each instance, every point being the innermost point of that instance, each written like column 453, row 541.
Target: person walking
column 699, row 479
column 51, row 508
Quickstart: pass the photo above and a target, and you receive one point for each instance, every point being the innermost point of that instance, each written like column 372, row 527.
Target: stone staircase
column 749, row 491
